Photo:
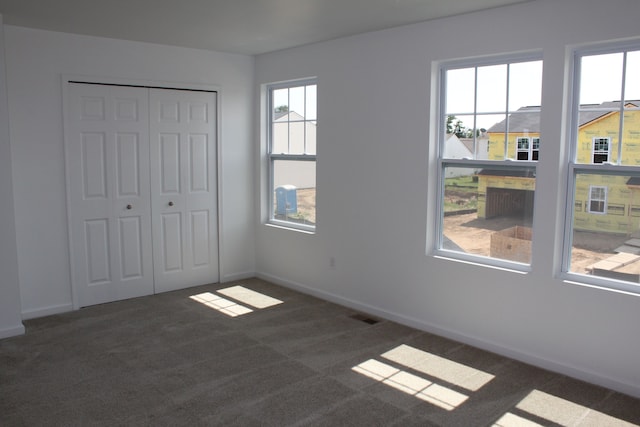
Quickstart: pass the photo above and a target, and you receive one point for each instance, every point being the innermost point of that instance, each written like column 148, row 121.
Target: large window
column 489, row 139
column 292, row 126
column 603, row 220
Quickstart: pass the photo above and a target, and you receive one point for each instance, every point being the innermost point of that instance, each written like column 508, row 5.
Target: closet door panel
column 107, row 134
column 183, row 188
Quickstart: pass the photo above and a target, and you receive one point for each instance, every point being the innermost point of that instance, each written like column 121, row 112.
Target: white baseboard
column 531, row 359
column 46, row 311
column 237, row 276
column 12, row 332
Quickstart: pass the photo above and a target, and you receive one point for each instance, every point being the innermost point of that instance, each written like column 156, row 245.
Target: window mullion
column 288, row 120
column 621, row 121
column 506, row 129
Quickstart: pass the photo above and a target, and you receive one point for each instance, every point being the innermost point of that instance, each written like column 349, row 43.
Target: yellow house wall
column 623, row 203
column 622, row 210
column 496, row 144
column 608, row 127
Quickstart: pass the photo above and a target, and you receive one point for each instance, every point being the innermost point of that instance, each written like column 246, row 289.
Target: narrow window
column 535, row 148
column 292, row 122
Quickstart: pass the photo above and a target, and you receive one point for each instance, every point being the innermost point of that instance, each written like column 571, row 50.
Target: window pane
column 459, row 139
column 280, row 102
column 296, row 137
column 606, row 222
column 521, row 125
column 632, row 89
column 294, row 184
column 280, row 142
column 310, row 129
column 311, row 102
column 461, row 126
column 488, row 212
column 525, row 84
column 460, row 91
column 601, row 78
column 492, row 88
column 297, row 102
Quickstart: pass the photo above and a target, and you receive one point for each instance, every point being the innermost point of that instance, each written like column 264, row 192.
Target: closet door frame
column 66, row 79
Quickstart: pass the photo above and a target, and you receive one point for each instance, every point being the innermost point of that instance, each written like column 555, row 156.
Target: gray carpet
column 233, row 359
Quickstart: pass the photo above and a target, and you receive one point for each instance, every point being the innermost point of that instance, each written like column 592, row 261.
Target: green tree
column 282, row 109
column 456, row 127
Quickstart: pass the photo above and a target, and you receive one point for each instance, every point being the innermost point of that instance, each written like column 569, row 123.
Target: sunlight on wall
column 548, row 408
column 431, row 365
column 237, row 293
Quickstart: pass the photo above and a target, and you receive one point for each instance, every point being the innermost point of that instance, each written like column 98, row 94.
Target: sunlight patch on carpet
column 250, row 297
column 550, row 408
column 429, row 389
column 225, row 306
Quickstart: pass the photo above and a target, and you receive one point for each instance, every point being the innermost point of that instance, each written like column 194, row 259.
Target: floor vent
column 364, row 318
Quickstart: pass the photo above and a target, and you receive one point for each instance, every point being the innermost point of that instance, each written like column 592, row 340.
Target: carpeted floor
column 251, row 353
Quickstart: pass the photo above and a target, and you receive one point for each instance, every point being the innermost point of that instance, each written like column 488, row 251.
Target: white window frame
column 273, row 157
column 592, row 188
column 535, row 148
column 522, row 150
column 594, row 152
column 612, row 167
column 443, row 163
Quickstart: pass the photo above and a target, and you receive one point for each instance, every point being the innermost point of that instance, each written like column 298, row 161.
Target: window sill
column 480, row 261
column 282, row 225
column 601, row 283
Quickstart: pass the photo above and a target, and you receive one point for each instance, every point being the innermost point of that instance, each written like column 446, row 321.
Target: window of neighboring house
column 489, row 102
column 597, row 199
column 600, row 150
column 535, row 148
column 604, row 172
column 292, row 122
column 523, row 149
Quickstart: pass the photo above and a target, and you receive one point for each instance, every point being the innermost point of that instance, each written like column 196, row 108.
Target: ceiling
column 237, row 26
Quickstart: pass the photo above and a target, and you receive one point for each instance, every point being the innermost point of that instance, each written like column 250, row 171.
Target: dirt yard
column 307, row 203
column 473, row 235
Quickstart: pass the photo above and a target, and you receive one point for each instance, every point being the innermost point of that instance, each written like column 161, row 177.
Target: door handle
column 170, row 203
column 129, row 207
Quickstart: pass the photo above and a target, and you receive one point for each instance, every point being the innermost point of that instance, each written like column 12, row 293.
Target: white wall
column 10, row 320
column 376, row 193
column 36, row 60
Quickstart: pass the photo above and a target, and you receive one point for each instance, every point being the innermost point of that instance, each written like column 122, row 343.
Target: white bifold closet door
column 183, row 188
column 141, row 166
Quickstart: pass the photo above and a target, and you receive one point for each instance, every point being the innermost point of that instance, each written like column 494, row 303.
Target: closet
column 141, row 190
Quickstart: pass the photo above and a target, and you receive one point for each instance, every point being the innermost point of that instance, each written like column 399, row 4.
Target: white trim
column 237, row 276
column 47, row 311
column 12, row 332
column 510, row 352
